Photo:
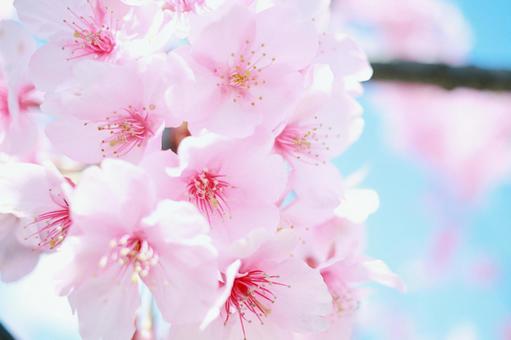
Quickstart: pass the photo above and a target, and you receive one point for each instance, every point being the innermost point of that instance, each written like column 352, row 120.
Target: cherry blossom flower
column 336, row 248
column 34, row 213
column 227, row 185
column 266, row 293
column 320, row 128
column 254, row 71
column 121, row 116
column 78, row 30
column 127, row 238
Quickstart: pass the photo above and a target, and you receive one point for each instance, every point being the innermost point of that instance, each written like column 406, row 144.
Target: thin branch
column 443, row 75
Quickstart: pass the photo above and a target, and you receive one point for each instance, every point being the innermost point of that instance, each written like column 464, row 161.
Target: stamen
column 92, row 36
column 56, row 223
column 206, row 190
column 309, row 142
column 125, row 131
column 245, row 72
column 346, row 303
column 129, row 250
column 251, row 294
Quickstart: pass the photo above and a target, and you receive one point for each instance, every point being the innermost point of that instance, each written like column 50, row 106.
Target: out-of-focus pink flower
column 120, row 116
column 485, row 271
column 463, row 135
column 126, row 238
column 255, row 71
column 336, row 248
column 19, row 101
column 35, row 215
column 227, row 184
column 266, row 293
column 425, row 30
column 443, row 248
column 346, row 60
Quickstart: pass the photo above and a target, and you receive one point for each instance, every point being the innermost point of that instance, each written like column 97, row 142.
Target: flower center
column 245, row 72
column 183, row 6
column 53, row 226
column 309, row 142
column 241, row 79
column 125, row 131
column 132, row 251
column 251, row 295
column 91, row 36
column 207, row 191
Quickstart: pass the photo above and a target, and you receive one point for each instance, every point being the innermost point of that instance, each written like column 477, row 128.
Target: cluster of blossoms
column 246, row 230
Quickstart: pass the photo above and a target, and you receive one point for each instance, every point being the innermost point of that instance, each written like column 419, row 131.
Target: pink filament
column 207, row 191
column 126, row 131
column 56, row 223
column 91, row 35
column 251, row 293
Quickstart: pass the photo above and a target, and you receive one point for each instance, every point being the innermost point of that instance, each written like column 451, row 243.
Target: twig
column 443, row 75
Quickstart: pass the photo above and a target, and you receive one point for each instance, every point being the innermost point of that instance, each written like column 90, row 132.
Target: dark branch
column 4, row 334
column 446, row 76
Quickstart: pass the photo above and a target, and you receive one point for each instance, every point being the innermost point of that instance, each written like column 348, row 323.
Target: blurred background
column 442, row 170
column 441, row 163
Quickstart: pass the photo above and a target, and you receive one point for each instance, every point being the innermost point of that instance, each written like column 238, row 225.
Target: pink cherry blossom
column 121, row 116
column 266, row 293
column 35, row 215
column 128, row 237
column 77, row 30
column 336, row 248
column 227, row 185
column 254, row 71
column 320, row 128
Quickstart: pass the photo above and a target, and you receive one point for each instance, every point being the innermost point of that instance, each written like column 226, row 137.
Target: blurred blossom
column 422, row 30
column 463, row 135
column 485, row 271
